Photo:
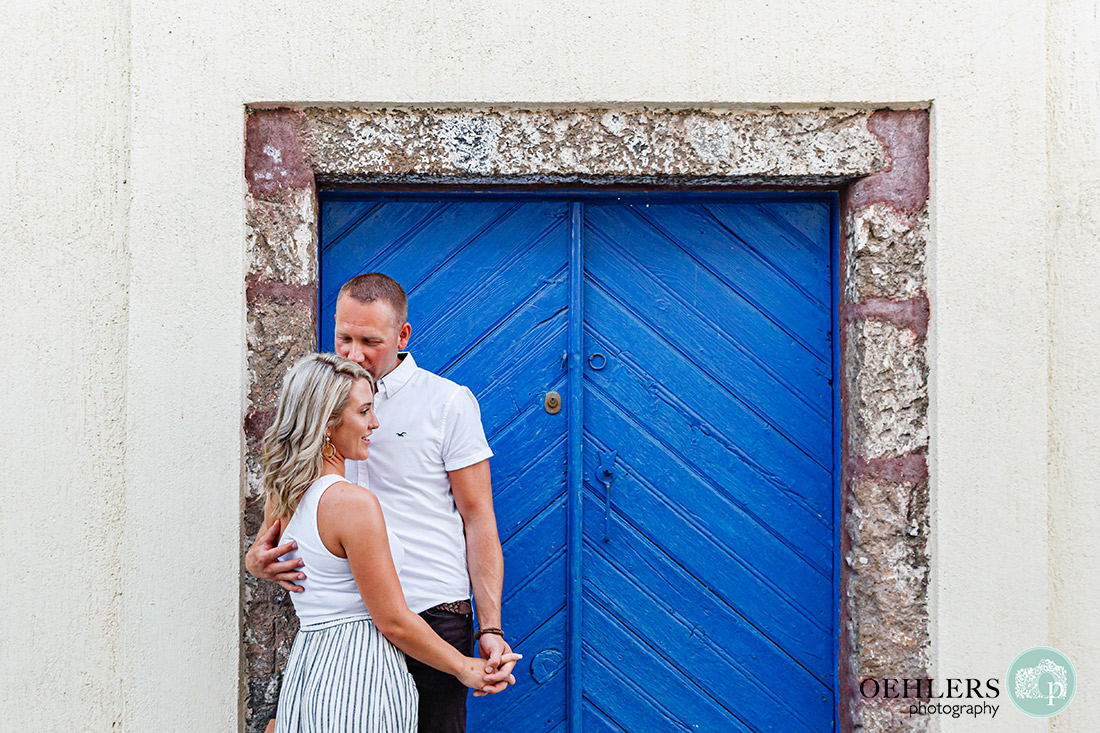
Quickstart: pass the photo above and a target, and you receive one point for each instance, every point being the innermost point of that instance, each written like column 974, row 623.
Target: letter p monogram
column 1050, row 690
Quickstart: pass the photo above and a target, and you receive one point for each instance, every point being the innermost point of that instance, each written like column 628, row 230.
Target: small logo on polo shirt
column 400, row 435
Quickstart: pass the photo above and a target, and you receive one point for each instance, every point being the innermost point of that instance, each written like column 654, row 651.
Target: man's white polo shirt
column 428, row 425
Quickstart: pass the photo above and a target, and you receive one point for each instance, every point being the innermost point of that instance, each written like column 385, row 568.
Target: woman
column 344, row 674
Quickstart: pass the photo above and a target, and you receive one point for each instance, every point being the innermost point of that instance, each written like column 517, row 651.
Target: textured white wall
column 1073, row 236
column 64, row 271
column 123, row 353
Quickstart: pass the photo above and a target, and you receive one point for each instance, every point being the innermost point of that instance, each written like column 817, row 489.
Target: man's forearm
column 485, row 561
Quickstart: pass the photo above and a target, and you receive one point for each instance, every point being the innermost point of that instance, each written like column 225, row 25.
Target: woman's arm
column 350, row 522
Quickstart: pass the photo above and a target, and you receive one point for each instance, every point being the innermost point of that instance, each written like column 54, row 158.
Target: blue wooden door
column 679, row 573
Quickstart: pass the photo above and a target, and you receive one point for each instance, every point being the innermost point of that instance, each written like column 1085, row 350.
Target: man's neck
column 396, row 363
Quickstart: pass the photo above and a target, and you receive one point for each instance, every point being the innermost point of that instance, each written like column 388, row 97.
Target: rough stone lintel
column 639, row 146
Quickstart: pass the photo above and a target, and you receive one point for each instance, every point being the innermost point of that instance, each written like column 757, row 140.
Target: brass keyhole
column 552, row 402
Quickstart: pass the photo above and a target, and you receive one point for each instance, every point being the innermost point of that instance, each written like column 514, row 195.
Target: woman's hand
column 474, row 676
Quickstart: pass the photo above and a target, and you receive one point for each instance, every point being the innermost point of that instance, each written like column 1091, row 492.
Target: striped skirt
column 345, row 677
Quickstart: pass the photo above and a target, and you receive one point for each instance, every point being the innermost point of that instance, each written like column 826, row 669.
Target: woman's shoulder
column 344, row 500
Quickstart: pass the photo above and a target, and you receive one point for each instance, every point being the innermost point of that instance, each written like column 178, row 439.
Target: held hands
column 499, row 659
column 262, row 560
column 475, row 674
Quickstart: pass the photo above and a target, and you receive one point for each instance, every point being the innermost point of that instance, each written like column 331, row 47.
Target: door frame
column 874, row 161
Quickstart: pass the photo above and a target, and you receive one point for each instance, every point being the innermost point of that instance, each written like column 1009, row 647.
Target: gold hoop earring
column 328, row 450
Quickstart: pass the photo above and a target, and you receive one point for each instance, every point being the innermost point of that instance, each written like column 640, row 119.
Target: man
column 429, row 469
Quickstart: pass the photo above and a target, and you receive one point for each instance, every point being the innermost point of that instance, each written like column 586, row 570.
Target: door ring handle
column 592, row 361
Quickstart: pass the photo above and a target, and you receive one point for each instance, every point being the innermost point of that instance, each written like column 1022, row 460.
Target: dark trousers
column 442, row 696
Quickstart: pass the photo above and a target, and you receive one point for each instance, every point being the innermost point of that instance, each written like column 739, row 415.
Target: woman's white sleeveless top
column 329, row 591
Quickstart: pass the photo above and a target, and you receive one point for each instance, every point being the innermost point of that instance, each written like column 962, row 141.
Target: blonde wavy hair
column 314, row 393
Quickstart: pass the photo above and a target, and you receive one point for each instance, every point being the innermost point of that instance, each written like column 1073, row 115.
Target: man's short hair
column 372, row 286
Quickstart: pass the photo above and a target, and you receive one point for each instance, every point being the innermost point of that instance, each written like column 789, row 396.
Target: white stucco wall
column 123, row 261
column 64, row 271
column 1073, row 236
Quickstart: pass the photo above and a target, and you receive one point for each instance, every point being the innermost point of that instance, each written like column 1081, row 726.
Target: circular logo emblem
column 1041, row 682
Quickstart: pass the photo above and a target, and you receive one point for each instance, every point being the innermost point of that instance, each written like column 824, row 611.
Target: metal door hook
column 605, row 474
column 592, row 361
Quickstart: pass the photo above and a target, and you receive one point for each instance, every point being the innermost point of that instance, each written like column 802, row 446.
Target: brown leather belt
column 462, row 608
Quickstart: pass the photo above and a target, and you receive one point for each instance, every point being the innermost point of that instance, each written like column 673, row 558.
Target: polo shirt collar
column 392, row 383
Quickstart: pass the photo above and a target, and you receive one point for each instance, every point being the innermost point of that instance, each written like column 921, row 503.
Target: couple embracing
column 380, row 534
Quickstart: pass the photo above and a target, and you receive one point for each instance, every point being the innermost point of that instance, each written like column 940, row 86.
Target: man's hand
column 499, row 661
column 262, row 560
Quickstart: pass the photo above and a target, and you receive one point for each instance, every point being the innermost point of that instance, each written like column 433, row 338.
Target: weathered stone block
column 889, row 716
column 887, row 377
column 886, row 256
column 279, row 332
column 282, row 237
column 887, row 524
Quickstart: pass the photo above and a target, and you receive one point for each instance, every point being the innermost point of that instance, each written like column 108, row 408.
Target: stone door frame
column 876, row 158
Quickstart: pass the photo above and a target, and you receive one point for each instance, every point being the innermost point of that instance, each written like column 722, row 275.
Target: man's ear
column 403, row 336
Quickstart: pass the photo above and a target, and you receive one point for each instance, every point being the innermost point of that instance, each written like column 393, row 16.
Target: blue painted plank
column 801, row 262
column 596, row 721
column 716, row 423
column 788, row 392
column 600, row 704
column 733, row 658
column 410, row 237
column 701, row 466
column 337, row 217
column 460, row 302
column 683, row 250
column 513, row 366
column 524, row 441
column 787, row 602
column 808, row 222
column 656, row 676
column 535, row 601
column 520, row 498
column 385, row 228
column 532, row 549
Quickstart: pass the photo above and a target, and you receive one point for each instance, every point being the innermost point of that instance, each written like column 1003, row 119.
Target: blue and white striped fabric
column 343, row 676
